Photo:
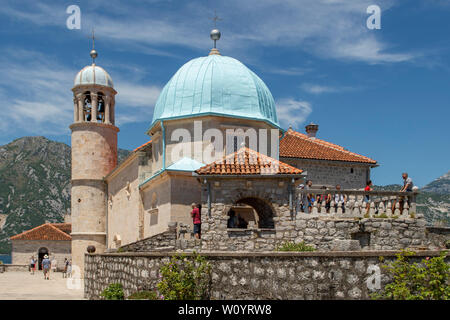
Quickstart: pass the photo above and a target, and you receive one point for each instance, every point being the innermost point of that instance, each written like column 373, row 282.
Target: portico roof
column 246, row 161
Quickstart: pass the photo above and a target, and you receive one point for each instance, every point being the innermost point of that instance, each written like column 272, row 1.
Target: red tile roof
column 247, row 162
column 47, row 231
column 298, row 145
column 142, row 146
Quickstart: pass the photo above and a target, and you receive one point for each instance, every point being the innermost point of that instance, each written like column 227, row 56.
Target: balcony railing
column 355, row 203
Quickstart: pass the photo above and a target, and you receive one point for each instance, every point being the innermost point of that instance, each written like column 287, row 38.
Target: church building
column 214, row 118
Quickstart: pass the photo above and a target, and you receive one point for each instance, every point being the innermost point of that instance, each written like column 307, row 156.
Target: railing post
column 405, row 212
column 381, row 209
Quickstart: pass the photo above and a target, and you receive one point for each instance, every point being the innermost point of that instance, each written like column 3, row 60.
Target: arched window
column 87, row 106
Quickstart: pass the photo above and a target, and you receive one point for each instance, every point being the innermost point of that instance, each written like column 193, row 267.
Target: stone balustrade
column 357, row 203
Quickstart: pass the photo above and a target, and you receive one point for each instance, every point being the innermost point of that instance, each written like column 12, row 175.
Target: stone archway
column 263, row 209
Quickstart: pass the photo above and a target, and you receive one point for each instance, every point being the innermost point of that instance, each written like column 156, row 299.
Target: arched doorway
column 263, row 212
column 41, row 253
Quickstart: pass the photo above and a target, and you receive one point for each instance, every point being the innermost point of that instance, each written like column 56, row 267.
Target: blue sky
column 381, row 93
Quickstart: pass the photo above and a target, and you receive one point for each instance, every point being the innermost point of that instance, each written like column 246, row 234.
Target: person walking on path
column 46, row 265
column 32, row 265
column 197, row 220
column 66, row 263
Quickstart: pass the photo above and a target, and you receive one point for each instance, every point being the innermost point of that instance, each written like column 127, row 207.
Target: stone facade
column 321, row 233
column 244, row 275
column 195, row 146
column 330, row 173
column 94, row 155
column 22, row 250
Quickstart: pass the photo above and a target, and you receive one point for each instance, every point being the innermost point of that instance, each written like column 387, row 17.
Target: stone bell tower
column 94, row 155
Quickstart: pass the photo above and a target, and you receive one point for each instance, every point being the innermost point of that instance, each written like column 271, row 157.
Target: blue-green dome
column 215, row 85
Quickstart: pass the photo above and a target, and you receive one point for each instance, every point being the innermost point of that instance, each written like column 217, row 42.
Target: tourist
column 300, row 203
column 69, row 269
column 197, row 220
column 407, row 183
column 325, row 197
column 232, row 220
column 407, row 187
column 46, row 265
column 32, row 264
column 54, row 264
column 309, row 196
column 66, row 263
column 366, row 197
column 339, row 197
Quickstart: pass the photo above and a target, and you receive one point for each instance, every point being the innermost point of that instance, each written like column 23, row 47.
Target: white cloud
column 36, row 96
column 292, row 112
column 327, row 28
column 137, row 102
column 319, row 89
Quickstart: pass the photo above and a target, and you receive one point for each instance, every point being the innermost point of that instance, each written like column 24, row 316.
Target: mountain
column 441, row 185
column 34, row 185
column 433, row 200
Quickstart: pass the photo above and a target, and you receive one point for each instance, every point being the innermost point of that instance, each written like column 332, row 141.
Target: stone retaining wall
column 244, row 275
column 318, row 231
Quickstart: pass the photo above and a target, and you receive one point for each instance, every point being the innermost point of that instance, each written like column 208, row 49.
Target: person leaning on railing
column 339, row 197
column 407, row 187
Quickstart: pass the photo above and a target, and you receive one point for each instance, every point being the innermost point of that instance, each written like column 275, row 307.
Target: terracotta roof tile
column 142, row 146
column 47, row 231
column 298, row 145
column 247, row 162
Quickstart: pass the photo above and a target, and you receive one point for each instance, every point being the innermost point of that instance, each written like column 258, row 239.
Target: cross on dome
column 93, row 52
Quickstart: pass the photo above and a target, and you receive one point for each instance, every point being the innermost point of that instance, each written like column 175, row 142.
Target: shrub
column 427, row 280
column 447, row 244
column 292, row 246
column 113, row 292
column 185, row 278
column 143, row 295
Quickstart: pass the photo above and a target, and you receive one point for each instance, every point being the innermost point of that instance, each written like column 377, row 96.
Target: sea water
column 5, row 258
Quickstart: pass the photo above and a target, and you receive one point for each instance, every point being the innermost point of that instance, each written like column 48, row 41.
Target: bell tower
column 94, row 155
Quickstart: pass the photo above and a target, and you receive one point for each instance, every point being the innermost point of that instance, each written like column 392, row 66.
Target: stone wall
column 165, row 241
column 323, row 231
column 323, row 234
column 331, row 173
column 124, row 203
column 438, row 236
column 239, row 275
column 317, row 231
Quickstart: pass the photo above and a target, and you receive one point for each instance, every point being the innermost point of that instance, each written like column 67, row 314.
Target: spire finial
column 93, row 52
column 215, row 33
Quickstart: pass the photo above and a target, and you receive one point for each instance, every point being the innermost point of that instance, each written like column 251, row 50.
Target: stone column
column 75, row 109
column 94, row 104
column 107, row 109
column 113, row 113
column 80, row 98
